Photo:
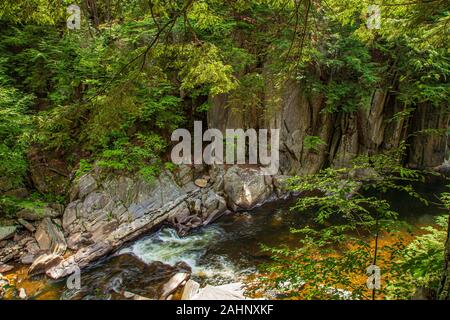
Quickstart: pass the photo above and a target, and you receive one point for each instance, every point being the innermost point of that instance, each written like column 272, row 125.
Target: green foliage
column 419, row 264
column 111, row 93
column 315, row 270
column 349, row 212
column 162, row 109
column 413, row 39
column 14, row 131
column 33, row 11
column 248, row 94
column 125, row 156
column 9, row 206
column 204, row 72
column 351, row 74
column 313, row 143
column 170, row 166
column 100, row 81
column 83, row 168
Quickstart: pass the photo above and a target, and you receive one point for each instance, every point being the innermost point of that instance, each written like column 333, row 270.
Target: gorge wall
column 373, row 129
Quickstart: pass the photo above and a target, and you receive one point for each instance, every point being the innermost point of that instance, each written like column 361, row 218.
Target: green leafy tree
column 350, row 214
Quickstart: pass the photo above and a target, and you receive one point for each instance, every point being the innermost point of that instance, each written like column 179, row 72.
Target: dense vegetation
column 158, row 63
column 111, row 93
column 355, row 227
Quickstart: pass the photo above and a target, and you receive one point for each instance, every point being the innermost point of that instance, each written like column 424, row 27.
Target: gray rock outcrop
column 108, row 212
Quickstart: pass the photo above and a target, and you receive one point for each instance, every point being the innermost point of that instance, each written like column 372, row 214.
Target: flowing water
column 226, row 251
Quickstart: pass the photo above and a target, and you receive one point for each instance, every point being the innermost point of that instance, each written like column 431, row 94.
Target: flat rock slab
column 219, row 293
column 5, row 267
column 235, row 287
column 44, row 262
column 190, row 290
column 173, row 284
column 7, row 232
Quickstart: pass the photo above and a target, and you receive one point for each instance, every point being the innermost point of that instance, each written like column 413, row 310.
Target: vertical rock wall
column 370, row 130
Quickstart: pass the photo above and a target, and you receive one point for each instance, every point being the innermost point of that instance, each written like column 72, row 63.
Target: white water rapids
column 167, row 247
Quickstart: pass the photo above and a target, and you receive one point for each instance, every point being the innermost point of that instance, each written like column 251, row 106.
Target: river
column 223, row 252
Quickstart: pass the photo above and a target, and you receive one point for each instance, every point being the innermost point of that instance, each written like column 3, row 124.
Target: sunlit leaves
column 204, row 68
column 33, row 11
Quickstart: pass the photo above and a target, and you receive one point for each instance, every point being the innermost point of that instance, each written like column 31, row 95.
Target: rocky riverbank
column 105, row 212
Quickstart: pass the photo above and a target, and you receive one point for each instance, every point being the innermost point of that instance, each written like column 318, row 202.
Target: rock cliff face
column 370, row 130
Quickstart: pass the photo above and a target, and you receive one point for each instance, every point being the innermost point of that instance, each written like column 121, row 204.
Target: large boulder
column 44, row 262
column 246, row 188
column 112, row 210
column 117, row 210
column 50, row 237
column 101, row 208
column 198, row 211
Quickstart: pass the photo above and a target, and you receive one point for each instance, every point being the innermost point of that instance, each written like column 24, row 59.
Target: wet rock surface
column 44, row 262
column 125, row 276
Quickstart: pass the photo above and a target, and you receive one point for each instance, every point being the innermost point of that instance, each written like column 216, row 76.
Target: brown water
column 226, row 251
